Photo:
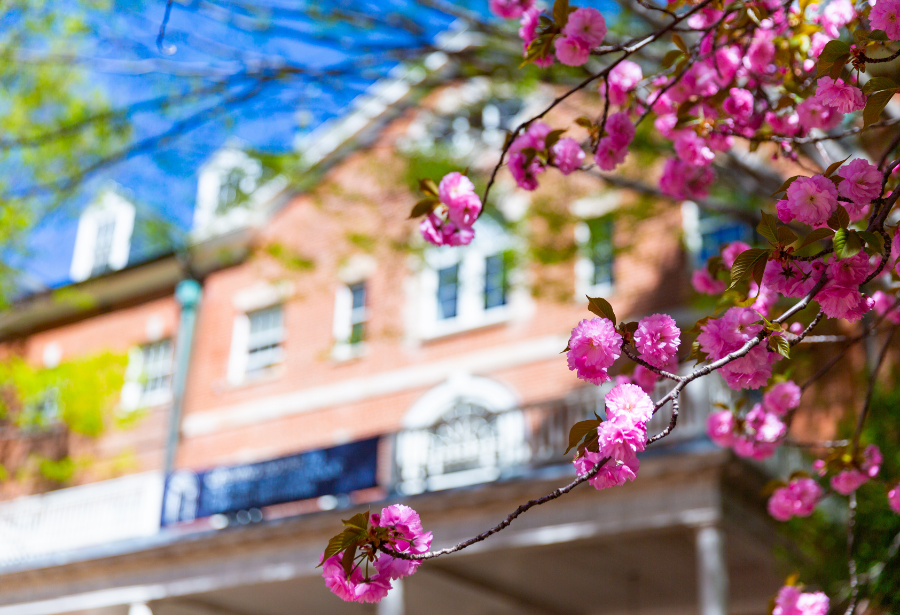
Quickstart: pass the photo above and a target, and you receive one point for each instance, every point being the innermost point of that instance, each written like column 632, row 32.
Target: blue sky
column 219, row 37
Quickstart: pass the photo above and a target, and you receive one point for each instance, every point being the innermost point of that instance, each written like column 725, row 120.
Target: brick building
column 307, row 355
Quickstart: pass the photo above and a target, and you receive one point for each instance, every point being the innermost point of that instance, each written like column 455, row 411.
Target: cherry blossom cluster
column 792, row 601
column 595, row 344
column 357, row 582
column 798, row 498
column 757, row 433
column 450, row 221
column 619, row 438
column 849, row 474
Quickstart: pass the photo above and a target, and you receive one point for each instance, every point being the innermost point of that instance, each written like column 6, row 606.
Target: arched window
column 463, row 432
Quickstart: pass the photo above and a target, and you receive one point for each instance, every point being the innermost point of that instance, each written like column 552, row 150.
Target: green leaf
column 585, row 122
column 579, row 431
column 679, row 42
column 768, row 227
column 839, row 219
column 601, row 308
column 838, row 67
column 759, row 270
column 787, row 184
column 877, row 84
column 875, row 104
column 423, row 207
column 786, row 236
column 561, row 13
column 817, row 235
column 831, row 53
column 780, row 345
column 670, row 57
column 428, row 187
column 834, row 166
column 358, row 521
column 878, row 35
column 347, row 559
column 553, row 137
column 874, row 240
column 335, row 546
column 744, row 263
column 847, row 243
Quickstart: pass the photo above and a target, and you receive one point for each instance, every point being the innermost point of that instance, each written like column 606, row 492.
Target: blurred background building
column 303, row 356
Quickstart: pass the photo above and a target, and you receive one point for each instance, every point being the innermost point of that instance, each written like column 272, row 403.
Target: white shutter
column 237, row 358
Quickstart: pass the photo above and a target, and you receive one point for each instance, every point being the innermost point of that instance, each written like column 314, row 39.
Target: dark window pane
column 601, row 250
column 494, row 281
column 448, row 291
column 358, row 291
column 721, row 234
column 103, row 245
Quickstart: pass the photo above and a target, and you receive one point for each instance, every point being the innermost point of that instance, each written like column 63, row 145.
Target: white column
column 392, row 604
column 712, row 571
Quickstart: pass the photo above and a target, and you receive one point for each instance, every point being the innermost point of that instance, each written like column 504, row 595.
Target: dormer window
column 103, row 241
column 232, row 190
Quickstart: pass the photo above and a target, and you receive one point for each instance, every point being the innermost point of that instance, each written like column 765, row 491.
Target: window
column 705, row 233
column 494, row 281
column 106, row 228
column 466, row 287
column 157, row 368
column 448, row 291
column 43, row 412
column 594, row 268
column 235, row 184
column 357, row 312
column 350, row 315
column 148, row 379
column 103, row 239
column 264, row 340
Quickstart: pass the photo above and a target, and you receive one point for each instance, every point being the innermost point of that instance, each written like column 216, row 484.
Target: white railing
column 78, row 517
column 471, row 444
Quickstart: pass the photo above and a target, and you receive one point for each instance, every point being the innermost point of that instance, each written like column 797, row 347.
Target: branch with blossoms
column 780, row 75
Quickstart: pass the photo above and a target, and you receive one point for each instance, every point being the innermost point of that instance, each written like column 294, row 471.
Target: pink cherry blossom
column 657, row 339
column 567, row 155
column 843, row 97
column 593, row 347
column 720, row 427
column 836, row 14
column 849, row 271
column 644, row 378
column 739, row 103
column 726, row 62
column 797, row 499
column 732, row 251
column 782, row 398
column 766, row 298
column 457, row 192
column 786, row 601
column 509, row 9
column 693, row 149
column 812, row 200
column 704, row 283
column 356, row 588
column 894, row 499
column 751, row 371
column 613, row 474
column 787, row 124
column 587, row 24
column 620, row 128
column 718, row 337
column 885, row 15
column 613, row 148
column 681, row 180
column 525, row 172
column 622, row 79
column 862, row 182
column 621, row 439
column 886, row 304
column 572, row 50
column 627, row 402
column 761, row 52
column 791, row 601
column 794, row 279
column 437, row 229
column 848, row 481
column 412, row 539
column 813, row 114
column 843, row 302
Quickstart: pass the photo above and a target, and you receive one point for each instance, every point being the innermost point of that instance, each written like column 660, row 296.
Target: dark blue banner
column 341, row 469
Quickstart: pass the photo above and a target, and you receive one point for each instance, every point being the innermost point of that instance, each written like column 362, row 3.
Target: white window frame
column 133, row 394
column 240, row 347
column 490, row 239
column 109, row 205
column 345, row 317
column 584, row 265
